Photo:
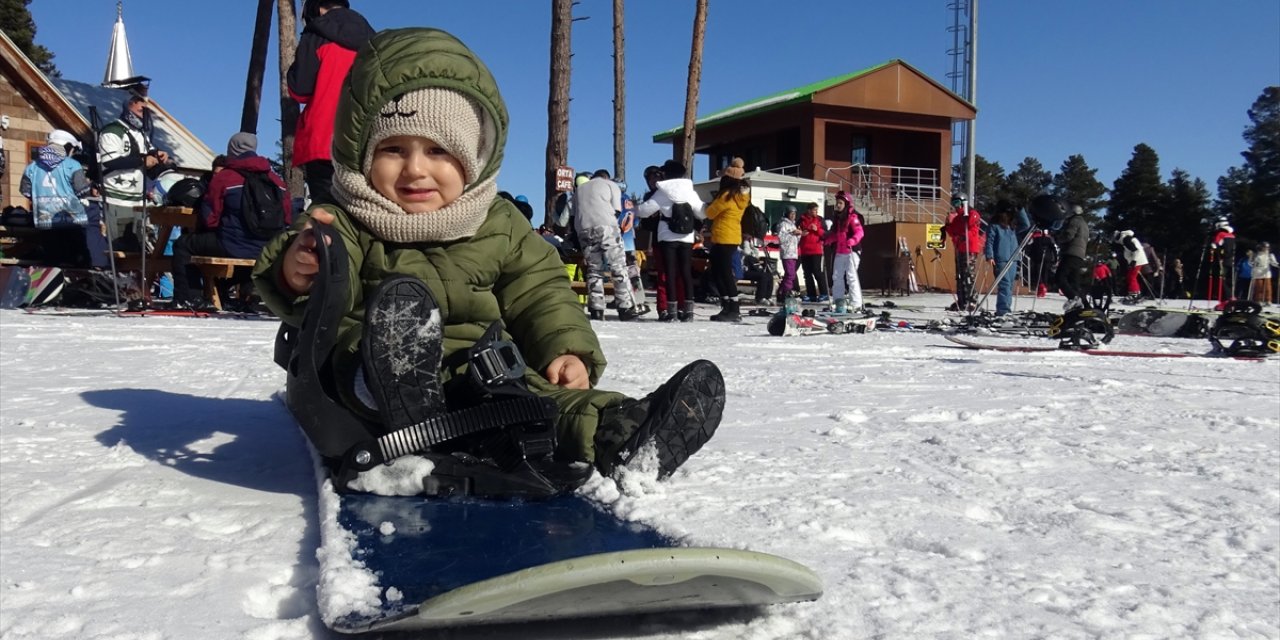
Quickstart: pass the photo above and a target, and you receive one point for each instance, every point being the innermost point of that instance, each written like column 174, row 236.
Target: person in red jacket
column 964, row 227
column 330, row 39
column 222, row 229
column 812, row 231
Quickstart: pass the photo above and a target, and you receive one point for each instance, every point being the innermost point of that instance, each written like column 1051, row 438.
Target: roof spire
column 119, row 63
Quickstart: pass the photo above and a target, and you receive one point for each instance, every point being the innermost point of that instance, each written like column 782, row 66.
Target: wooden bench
column 213, row 269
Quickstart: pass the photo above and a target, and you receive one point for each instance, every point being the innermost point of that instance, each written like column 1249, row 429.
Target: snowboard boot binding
column 678, row 418
column 1081, row 329
column 1242, row 330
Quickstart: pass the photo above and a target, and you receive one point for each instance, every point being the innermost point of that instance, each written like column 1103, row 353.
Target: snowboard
column 430, row 563
column 795, row 324
column 970, row 344
column 1164, row 323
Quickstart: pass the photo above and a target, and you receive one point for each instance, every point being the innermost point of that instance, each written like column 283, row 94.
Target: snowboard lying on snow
column 795, row 324
column 397, row 563
column 1165, row 323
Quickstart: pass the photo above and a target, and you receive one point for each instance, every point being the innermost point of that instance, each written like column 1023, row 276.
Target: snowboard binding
column 1242, row 330
column 1081, row 329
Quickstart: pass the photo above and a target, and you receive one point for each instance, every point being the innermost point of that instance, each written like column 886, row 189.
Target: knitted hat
column 735, row 170
column 445, row 116
column 451, row 120
column 242, row 144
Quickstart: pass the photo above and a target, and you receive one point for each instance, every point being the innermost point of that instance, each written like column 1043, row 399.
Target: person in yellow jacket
column 725, row 214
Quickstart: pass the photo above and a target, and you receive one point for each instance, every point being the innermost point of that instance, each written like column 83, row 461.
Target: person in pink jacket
column 845, row 236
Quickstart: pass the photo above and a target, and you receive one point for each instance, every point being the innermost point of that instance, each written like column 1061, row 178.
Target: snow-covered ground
column 153, row 486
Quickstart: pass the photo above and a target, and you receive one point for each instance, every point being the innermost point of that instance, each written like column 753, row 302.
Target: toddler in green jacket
column 457, row 335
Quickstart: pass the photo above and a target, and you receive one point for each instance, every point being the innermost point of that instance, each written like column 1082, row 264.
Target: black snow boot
column 685, row 314
column 679, row 417
column 729, row 311
column 402, row 346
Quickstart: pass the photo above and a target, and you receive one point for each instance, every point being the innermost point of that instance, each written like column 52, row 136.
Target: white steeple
column 119, row 63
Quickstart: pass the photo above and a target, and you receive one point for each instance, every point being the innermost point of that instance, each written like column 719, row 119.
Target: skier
column 1042, row 255
column 449, row 315
column 964, row 227
column 1003, row 240
column 1073, row 241
column 1135, row 257
column 1222, row 259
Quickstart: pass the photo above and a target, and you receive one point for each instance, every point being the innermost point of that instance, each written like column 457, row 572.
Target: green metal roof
column 784, row 98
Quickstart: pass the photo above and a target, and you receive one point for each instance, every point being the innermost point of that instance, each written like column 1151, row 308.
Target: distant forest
column 1174, row 216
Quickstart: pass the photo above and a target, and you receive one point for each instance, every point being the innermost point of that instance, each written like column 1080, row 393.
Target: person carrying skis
column 1001, row 250
column 964, row 227
column 453, row 303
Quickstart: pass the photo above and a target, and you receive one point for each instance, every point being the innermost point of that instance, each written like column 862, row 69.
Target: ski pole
column 1195, row 282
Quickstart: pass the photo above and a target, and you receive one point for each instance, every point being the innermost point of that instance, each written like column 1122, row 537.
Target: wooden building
column 34, row 104
column 882, row 134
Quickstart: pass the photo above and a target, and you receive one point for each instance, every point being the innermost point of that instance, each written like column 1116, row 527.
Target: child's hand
column 301, row 264
column 568, row 371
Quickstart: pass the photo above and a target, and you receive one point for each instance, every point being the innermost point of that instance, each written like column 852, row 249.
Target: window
column 859, row 146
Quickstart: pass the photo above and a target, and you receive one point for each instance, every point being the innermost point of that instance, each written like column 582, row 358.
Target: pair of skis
column 970, row 344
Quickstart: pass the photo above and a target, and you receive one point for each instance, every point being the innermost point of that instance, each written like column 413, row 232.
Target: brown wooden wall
column 27, row 127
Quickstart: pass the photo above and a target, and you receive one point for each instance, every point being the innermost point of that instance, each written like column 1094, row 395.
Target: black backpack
column 682, row 218
column 754, row 223
column 262, row 205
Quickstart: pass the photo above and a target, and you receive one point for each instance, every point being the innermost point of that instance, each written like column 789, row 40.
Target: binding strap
column 456, row 424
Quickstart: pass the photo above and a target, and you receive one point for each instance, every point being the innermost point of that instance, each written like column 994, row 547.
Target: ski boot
column 1245, row 331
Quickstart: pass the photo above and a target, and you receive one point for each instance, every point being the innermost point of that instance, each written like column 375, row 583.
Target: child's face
column 415, row 173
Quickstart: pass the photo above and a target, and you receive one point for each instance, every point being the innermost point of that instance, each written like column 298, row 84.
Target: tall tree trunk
column 287, row 26
column 695, row 79
column 619, row 95
column 257, row 66
column 558, row 99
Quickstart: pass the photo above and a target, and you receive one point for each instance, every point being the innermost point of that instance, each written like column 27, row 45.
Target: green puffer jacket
column 504, row 272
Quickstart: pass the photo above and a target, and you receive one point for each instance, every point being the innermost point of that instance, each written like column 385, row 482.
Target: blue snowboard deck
column 464, row 562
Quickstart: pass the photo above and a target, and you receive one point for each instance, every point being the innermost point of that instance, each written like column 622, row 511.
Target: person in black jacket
column 333, row 34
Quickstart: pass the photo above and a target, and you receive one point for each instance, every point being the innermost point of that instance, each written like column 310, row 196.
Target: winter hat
column 242, row 144
column 445, row 116
column 735, row 170
column 451, row 120
column 672, row 169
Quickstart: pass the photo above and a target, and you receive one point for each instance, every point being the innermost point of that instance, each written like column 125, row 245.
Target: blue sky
column 1093, row 77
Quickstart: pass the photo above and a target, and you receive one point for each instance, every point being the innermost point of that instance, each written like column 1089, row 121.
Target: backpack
column 261, row 205
column 754, row 223
column 682, row 218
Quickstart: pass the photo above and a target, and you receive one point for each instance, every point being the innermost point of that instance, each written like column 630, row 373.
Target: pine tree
column 988, row 178
column 1138, row 196
column 1076, row 183
column 1027, row 181
column 1182, row 232
column 17, row 23
column 1250, row 194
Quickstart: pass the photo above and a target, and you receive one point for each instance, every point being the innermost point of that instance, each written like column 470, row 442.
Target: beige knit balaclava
column 455, row 123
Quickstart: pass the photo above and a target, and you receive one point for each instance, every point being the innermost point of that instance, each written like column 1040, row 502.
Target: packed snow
column 155, row 486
